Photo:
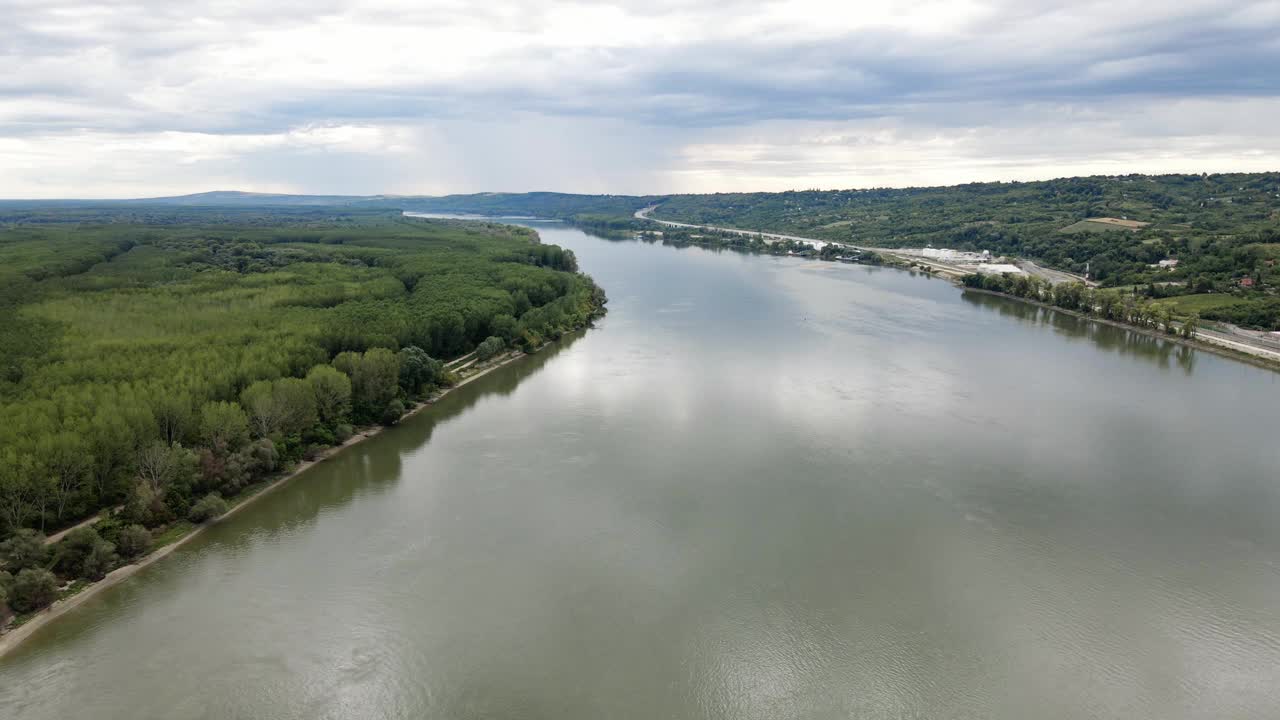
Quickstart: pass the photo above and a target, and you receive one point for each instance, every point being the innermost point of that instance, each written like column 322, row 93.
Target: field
column 1103, row 225
column 1206, row 304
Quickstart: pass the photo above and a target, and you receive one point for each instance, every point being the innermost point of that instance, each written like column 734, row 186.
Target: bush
column 101, row 560
column 83, row 553
column 133, row 541
column 6, row 581
column 109, row 529
column 210, row 507
column 491, row 346
column 343, row 433
column 32, row 589
column 24, row 550
column 393, row 413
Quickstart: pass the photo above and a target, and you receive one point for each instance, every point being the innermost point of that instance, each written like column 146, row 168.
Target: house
column 1246, row 282
column 1169, row 264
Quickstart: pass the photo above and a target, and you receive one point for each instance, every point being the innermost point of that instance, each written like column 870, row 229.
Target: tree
column 260, row 404
column 101, row 560
column 332, row 391
column 133, row 541
column 491, row 346
column 223, row 426
column 173, row 416
column 26, row 548
column 504, row 326
column 83, row 553
column 67, row 464
column 286, row 406
column 18, row 489
column 161, row 466
column 32, row 589
column 210, row 507
column 297, row 404
column 393, row 413
column 1190, row 325
column 375, row 380
column 417, row 369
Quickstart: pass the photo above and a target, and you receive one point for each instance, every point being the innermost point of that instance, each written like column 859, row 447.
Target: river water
column 761, row 488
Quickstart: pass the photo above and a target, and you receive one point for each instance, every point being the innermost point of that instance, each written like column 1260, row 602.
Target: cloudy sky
column 129, row 99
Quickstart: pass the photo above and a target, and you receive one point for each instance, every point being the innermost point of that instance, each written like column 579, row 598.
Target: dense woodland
column 1224, row 230
column 159, row 368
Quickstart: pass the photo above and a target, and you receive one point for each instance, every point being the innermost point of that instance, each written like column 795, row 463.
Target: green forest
column 159, row 365
column 1223, row 230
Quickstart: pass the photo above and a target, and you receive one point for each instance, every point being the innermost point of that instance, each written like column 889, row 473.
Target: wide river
column 760, row 488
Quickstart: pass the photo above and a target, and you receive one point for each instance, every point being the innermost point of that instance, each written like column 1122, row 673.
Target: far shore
column 1263, row 361
column 13, row 638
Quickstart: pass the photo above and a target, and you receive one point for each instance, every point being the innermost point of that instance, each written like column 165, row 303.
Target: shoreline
column 1194, row 343
column 1235, row 350
column 10, row 640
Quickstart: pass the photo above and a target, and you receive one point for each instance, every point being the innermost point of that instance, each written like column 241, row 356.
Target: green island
column 161, row 366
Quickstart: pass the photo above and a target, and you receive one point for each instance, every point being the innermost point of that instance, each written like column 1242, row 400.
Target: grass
column 1201, row 303
column 1090, row 226
column 172, row 534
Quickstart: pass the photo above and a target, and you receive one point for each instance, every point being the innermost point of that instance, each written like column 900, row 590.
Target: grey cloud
column 1221, row 48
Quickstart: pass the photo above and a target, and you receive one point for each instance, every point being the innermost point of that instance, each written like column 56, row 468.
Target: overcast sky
column 130, row 99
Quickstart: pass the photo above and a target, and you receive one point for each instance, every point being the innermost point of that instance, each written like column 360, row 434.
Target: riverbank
column 1262, row 361
column 14, row 637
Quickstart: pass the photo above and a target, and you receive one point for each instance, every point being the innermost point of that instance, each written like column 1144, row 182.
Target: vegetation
column 1222, row 229
column 1129, row 308
column 491, row 346
column 31, row 589
column 152, row 370
column 210, row 507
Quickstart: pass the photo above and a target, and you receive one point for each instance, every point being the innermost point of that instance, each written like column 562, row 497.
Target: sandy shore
column 14, row 638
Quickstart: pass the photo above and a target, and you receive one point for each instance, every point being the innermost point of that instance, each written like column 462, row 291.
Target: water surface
column 761, row 488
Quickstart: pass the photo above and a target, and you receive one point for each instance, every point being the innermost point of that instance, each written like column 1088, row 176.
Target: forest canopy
column 158, row 365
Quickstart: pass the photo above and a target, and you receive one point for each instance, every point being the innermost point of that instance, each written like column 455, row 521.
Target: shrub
column 109, row 529
column 393, row 413
column 24, row 550
column 210, row 507
column 491, row 346
column 101, row 560
column 343, row 433
column 83, row 553
column 133, row 541
column 33, row 589
column 6, row 581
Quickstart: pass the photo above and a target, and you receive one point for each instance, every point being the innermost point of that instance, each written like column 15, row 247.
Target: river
column 762, row 488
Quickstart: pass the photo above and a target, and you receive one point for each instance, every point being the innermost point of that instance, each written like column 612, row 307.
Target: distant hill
column 223, row 198
column 540, row 204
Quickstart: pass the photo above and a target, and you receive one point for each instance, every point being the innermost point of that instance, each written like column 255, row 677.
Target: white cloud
column 718, row 94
